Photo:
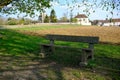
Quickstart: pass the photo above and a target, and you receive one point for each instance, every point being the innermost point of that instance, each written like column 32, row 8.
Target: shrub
column 12, row 21
column 21, row 21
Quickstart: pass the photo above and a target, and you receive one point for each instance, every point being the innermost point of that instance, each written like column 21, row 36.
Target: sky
column 60, row 10
column 98, row 14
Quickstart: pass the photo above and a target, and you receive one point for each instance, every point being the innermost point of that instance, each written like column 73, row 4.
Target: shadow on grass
column 19, row 58
column 24, row 68
column 67, row 56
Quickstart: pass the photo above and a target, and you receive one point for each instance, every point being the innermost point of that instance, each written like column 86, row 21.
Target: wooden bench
column 87, row 53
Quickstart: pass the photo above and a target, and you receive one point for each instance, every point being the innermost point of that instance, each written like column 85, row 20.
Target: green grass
column 16, row 43
column 15, row 47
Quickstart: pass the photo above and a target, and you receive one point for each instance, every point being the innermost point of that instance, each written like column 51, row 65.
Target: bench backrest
column 85, row 39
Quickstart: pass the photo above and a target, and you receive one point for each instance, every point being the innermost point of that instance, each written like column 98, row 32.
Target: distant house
column 82, row 19
column 111, row 22
column 98, row 22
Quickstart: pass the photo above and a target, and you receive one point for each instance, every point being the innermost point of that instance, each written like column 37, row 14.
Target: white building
column 112, row 22
column 82, row 19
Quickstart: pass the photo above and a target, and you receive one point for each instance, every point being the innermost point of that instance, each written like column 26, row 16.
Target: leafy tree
column 46, row 20
column 95, row 22
column 23, row 6
column 13, row 21
column 4, row 3
column 71, row 16
column 63, row 19
column 27, row 21
column 110, row 20
column 53, row 16
column 30, row 6
column 9, row 18
column 74, row 20
column 34, row 22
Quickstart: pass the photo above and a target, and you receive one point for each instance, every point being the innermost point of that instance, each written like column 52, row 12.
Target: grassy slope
column 107, row 57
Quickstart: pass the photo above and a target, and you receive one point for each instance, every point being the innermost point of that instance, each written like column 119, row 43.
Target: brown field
column 106, row 34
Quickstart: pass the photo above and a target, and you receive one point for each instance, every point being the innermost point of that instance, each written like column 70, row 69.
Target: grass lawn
column 19, row 59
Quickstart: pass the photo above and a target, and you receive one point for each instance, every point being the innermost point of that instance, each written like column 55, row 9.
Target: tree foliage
column 74, row 20
column 23, row 6
column 53, row 17
column 4, row 3
column 30, row 6
column 46, row 20
column 20, row 21
column 90, row 6
column 63, row 19
column 12, row 21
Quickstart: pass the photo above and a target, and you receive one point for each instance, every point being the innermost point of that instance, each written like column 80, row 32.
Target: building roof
column 81, row 16
column 108, row 21
column 116, row 20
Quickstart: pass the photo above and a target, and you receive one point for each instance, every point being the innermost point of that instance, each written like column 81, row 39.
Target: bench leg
column 42, row 53
column 86, row 55
column 46, row 49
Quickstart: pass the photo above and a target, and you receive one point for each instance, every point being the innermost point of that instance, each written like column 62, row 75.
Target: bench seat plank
column 85, row 39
